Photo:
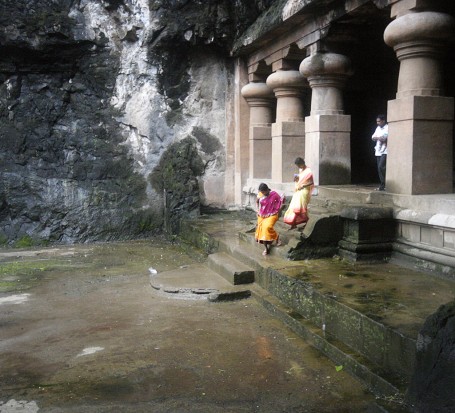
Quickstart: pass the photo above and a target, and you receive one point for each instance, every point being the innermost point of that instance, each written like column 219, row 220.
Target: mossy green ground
column 18, row 276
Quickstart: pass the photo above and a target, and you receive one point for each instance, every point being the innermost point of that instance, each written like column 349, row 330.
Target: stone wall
column 92, row 93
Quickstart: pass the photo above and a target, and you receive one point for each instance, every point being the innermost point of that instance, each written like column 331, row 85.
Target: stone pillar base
column 419, row 153
column 327, row 148
column 288, row 142
column 260, row 151
column 368, row 234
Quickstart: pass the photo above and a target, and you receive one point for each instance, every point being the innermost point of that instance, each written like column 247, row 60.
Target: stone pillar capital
column 426, row 25
column 327, row 74
column 258, row 94
column 419, row 40
column 261, row 100
column 326, row 64
column 286, row 80
column 288, row 87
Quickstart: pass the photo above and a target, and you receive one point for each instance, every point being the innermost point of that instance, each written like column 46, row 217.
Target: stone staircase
column 230, row 268
column 365, row 318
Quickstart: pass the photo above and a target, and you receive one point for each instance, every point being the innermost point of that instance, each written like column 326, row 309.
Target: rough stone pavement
column 84, row 331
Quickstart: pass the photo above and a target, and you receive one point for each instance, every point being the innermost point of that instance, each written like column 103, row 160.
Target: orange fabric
column 265, row 230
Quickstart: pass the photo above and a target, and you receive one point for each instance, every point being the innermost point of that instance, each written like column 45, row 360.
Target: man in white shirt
column 380, row 136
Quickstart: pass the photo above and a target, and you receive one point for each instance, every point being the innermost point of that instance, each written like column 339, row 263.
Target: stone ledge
column 229, row 296
column 362, row 212
column 425, row 217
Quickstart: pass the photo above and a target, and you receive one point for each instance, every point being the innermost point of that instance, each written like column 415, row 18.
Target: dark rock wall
column 92, row 93
column 432, row 388
column 176, row 177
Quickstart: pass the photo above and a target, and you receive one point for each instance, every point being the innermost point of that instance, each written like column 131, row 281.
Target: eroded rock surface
column 433, row 381
column 92, row 93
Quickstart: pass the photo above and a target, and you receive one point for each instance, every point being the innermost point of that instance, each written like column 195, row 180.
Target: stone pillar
column 328, row 130
column 237, row 127
column 288, row 132
column 260, row 99
column 419, row 159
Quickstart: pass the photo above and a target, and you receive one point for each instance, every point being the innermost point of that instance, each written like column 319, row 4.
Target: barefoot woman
column 268, row 203
column 297, row 213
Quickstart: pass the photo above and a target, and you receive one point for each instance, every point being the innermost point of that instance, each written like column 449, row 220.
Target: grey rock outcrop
column 176, row 177
column 433, row 382
column 92, row 93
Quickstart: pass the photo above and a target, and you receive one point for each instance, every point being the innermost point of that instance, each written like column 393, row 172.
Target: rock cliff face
column 433, row 381
column 93, row 93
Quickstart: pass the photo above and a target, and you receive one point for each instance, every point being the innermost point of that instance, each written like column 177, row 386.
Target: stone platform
column 421, row 228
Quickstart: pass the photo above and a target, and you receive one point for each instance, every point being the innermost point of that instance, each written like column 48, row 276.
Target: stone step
column 381, row 383
column 197, row 281
column 343, row 357
column 377, row 342
column 352, row 195
column 230, row 269
column 338, row 330
column 249, row 239
column 320, row 237
column 443, row 204
column 362, row 334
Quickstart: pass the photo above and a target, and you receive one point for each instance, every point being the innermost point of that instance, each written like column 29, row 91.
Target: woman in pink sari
column 268, row 204
column 297, row 213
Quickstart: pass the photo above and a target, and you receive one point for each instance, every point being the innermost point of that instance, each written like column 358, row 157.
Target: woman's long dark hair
column 300, row 161
column 263, row 188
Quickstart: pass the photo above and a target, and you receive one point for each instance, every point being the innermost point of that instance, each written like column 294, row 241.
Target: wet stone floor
column 81, row 330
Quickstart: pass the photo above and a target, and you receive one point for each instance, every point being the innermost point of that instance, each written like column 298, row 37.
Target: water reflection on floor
column 398, row 297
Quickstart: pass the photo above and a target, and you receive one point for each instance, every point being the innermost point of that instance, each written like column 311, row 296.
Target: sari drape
column 269, row 207
column 265, row 230
column 297, row 212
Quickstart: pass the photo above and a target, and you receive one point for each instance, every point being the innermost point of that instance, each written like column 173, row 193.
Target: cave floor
column 82, row 330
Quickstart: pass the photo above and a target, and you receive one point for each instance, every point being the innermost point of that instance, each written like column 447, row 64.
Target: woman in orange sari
column 268, row 204
column 297, row 213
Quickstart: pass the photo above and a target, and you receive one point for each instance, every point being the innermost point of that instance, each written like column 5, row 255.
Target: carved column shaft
column 327, row 146
column 288, row 131
column 420, row 69
column 287, row 86
column 261, row 111
column 326, row 96
column 260, row 100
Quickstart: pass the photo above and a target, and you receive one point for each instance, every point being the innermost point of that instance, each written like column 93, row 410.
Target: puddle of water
column 398, row 297
column 90, row 350
column 22, row 406
column 14, row 299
